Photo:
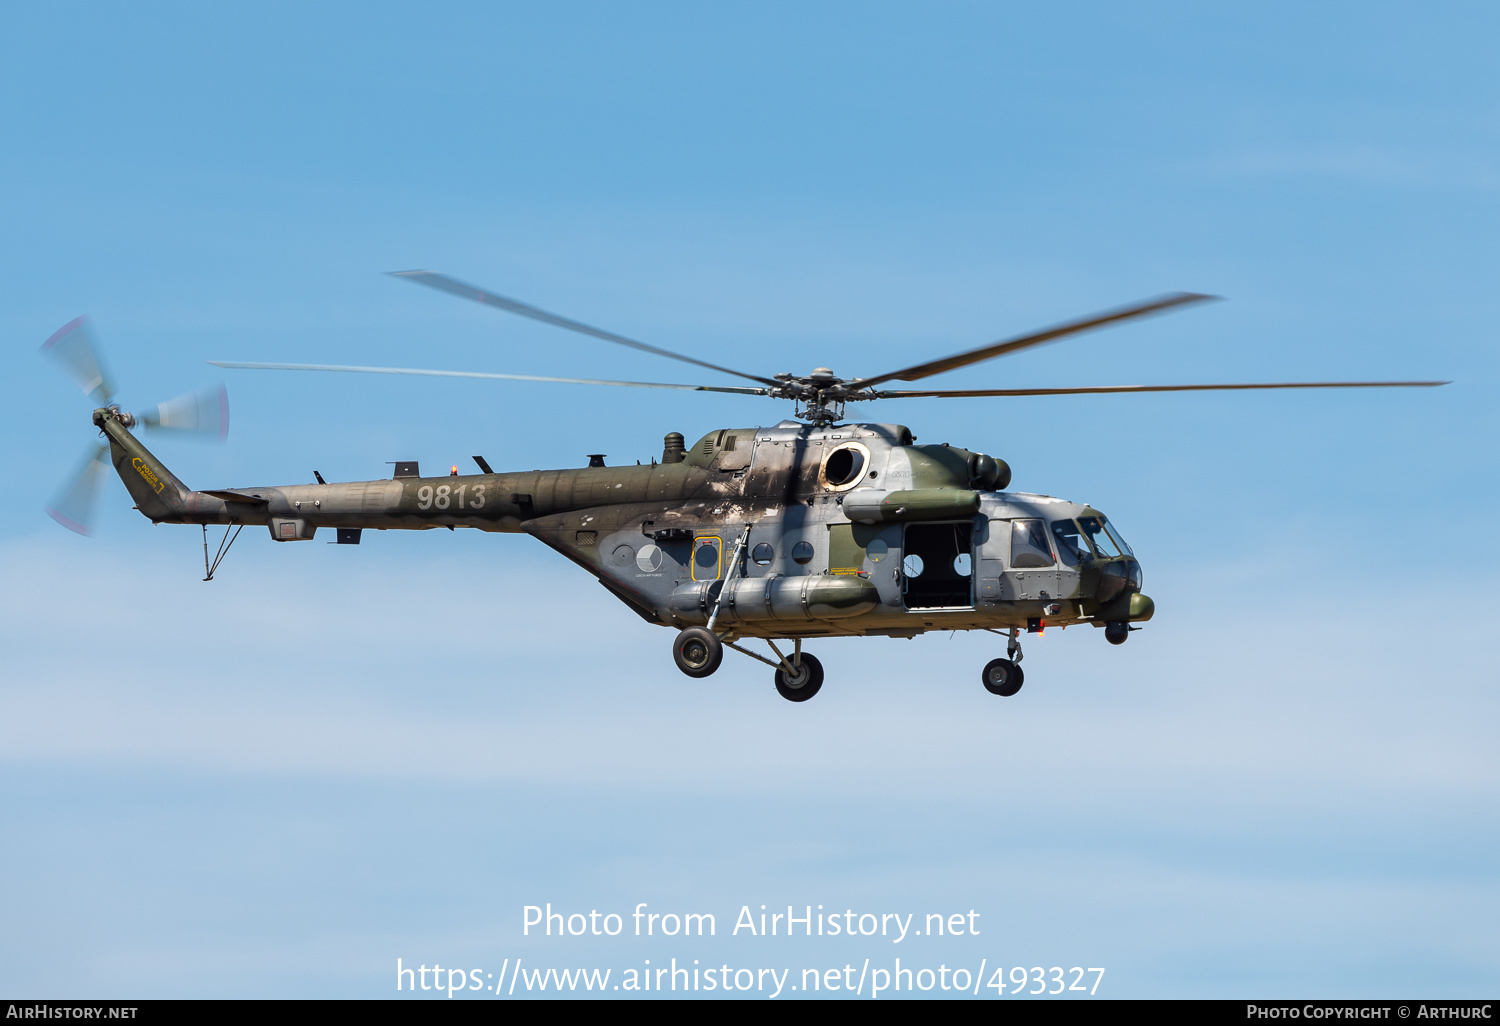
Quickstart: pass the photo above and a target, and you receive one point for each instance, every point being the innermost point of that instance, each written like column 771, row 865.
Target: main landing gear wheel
column 697, row 651
column 1002, row 677
column 805, row 684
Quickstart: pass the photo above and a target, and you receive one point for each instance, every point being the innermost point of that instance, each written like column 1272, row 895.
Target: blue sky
column 278, row 783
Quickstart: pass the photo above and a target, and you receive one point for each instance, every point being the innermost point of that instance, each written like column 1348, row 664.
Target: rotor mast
column 820, row 396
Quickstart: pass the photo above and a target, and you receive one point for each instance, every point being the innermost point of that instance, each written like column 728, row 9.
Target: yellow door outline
column 718, row 546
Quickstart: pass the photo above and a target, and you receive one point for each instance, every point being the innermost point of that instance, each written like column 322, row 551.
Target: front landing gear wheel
column 1002, row 677
column 805, row 684
column 697, row 652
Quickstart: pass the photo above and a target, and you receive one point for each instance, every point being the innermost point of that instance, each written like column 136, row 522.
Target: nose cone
column 1141, row 607
column 1117, row 578
column 1121, row 581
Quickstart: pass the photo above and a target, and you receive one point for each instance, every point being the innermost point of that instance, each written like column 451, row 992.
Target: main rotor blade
column 204, row 412
column 73, row 346
column 73, row 506
column 1125, row 313
column 432, row 279
column 971, row 393
column 735, row 389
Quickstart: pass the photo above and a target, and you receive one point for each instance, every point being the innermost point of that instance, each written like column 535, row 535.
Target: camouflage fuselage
column 786, row 531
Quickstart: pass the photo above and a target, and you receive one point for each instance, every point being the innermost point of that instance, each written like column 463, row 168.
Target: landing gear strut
column 698, row 651
column 1004, row 677
column 798, row 676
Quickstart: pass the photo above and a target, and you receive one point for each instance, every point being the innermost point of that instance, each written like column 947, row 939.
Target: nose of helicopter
column 1121, row 598
column 1118, row 576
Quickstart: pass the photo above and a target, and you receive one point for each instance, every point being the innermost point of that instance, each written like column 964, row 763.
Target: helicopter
column 812, row 528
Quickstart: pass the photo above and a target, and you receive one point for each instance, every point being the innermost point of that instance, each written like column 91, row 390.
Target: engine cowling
column 988, row 473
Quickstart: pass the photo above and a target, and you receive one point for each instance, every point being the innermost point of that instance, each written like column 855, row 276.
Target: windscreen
column 1102, row 539
column 1115, row 534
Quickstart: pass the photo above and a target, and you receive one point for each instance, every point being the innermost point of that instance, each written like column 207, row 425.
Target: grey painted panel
column 989, row 579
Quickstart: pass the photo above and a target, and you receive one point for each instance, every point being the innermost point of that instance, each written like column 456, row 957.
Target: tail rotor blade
column 73, row 506
column 204, row 412
column 73, row 347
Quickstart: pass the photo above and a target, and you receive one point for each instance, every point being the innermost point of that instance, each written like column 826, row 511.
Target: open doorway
column 938, row 565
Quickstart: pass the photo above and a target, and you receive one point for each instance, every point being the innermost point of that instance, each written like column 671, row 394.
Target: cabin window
column 1028, row 545
column 763, row 554
column 802, row 553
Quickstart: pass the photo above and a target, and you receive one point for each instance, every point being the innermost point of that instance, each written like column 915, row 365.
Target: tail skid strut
column 225, row 544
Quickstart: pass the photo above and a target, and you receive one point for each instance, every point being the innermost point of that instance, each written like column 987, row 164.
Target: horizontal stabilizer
column 229, row 496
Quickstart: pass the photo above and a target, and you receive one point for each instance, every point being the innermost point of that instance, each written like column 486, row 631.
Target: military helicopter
column 812, row 528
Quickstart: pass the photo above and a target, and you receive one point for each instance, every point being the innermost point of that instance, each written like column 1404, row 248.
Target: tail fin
column 157, row 492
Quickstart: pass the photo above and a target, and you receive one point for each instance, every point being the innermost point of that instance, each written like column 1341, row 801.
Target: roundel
column 648, row 559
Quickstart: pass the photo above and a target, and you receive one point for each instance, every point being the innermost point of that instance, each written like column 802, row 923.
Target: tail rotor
column 73, row 505
column 202, row 413
column 73, row 347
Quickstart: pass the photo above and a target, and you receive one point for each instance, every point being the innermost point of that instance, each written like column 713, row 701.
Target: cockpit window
column 1115, row 534
column 1102, row 540
column 1071, row 544
column 1028, row 544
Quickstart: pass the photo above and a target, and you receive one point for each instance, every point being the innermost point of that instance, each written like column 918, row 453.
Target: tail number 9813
column 441, row 497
